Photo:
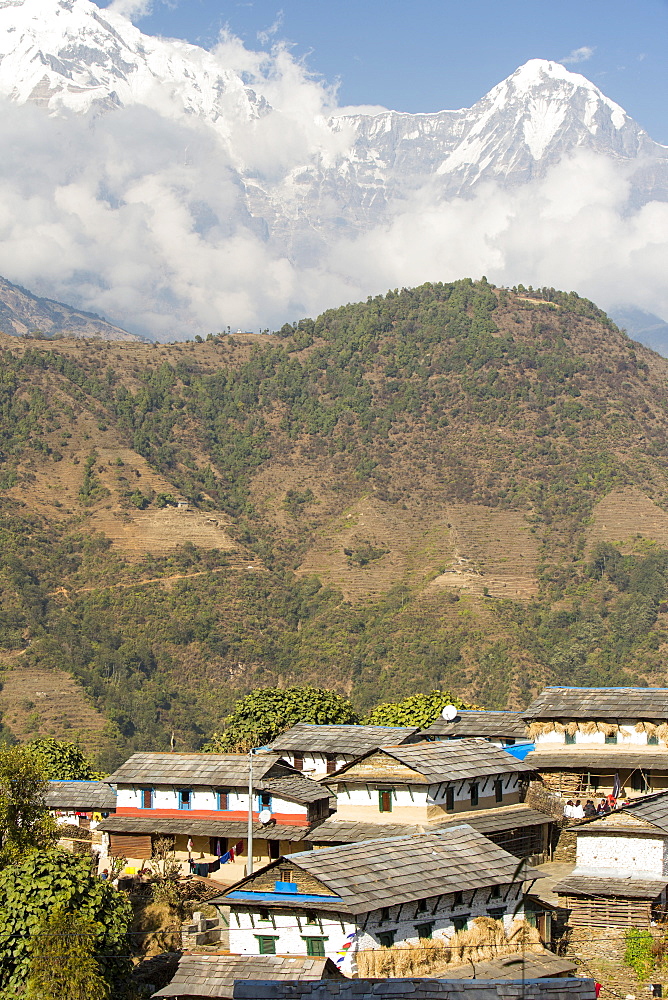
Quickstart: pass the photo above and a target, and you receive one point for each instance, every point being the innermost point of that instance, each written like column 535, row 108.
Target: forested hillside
column 454, row 485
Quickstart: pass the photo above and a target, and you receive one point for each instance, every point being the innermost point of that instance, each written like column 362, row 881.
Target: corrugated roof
column 88, row 796
column 420, row 989
column 475, row 722
column 385, row 871
column 340, row 739
column 215, row 975
column 607, row 758
column 599, row 703
column 334, row 830
column 172, row 825
column 607, row 887
column 444, row 760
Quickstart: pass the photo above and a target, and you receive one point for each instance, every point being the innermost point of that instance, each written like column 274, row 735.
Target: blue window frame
column 146, row 798
column 264, row 801
column 185, row 798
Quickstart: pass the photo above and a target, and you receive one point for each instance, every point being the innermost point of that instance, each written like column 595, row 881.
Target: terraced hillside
column 453, row 485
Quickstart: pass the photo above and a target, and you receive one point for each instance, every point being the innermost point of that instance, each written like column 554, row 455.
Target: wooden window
column 425, row 930
column 475, row 792
column 385, row 800
column 315, row 946
column 421, row 906
column 274, row 850
column 458, row 899
column 495, row 892
column 266, row 943
column 450, row 798
column 331, row 764
column 496, row 912
column 298, row 760
column 223, row 799
column 285, row 874
column 312, row 918
column 384, row 914
column 263, row 914
column 147, row 798
column 498, row 790
column 185, row 798
column 461, row 923
column 386, row 938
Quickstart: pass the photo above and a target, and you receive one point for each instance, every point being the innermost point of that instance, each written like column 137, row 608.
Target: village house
column 503, row 728
column 621, row 872
column 319, row 750
column 77, row 803
column 592, row 742
column 199, row 803
column 340, row 901
column 396, row 790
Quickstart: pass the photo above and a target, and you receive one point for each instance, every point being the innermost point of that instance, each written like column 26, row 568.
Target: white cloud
column 582, row 54
column 143, row 216
column 132, row 9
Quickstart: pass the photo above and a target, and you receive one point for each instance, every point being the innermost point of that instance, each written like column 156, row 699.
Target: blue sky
column 426, row 55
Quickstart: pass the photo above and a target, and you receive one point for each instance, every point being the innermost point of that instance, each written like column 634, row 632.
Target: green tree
column 32, row 890
column 258, row 718
column 25, row 823
column 62, row 960
column 416, row 710
column 62, row 760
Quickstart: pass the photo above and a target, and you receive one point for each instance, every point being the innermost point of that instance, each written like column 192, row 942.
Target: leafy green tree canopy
column 416, row 710
column 25, row 823
column 258, row 718
column 62, row 963
column 30, row 892
column 62, row 760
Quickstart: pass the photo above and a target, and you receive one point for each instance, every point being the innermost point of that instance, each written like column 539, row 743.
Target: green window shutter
column 425, row 930
column 315, row 946
column 266, row 943
column 384, row 800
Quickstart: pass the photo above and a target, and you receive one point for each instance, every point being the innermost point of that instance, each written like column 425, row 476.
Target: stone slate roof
column 420, row 989
column 334, row 830
column 215, row 975
column 191, row 769
column 650, row 809
column 603, row 757
column 293, row 787
column 375, row 873
column 599, row 703
column 87, row 796
column 474, row 722
column 234, row 829
column 444, row 760
column 604, row 885
column 524, row 965
column 354, row 740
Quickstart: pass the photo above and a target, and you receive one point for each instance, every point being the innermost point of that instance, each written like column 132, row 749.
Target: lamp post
column 249, row 866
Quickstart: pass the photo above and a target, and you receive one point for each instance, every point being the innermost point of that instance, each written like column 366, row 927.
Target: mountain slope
column 453, row 485
column 22, row 314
